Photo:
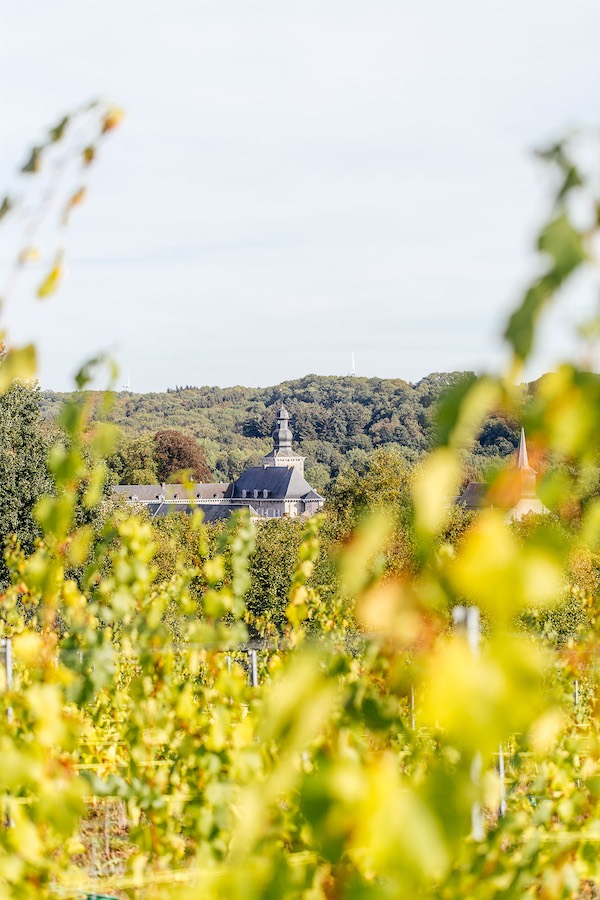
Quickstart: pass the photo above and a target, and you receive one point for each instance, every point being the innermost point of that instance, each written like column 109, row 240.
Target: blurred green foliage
column 358, row 765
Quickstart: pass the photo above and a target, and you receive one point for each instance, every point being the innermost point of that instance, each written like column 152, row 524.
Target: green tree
column 134, row 461
column 382, row 479
column 271, row 566
column 23, row 473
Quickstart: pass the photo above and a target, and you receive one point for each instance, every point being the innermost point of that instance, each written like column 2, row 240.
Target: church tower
column 527, row 475
column 282, row 454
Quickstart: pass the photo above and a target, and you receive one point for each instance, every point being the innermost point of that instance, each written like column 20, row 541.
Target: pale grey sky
column 296, row 179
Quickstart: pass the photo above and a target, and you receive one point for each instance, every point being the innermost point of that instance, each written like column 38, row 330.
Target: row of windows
column 256, row 493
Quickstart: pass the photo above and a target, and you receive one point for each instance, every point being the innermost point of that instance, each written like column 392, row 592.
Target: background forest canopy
column 336, row 421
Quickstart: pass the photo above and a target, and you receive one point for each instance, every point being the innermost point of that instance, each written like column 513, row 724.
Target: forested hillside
column 331, row 416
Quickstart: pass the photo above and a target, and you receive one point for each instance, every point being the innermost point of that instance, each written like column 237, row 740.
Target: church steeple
column 282, row 454
column 522, row 458
column 527, row 475
column 282, row 435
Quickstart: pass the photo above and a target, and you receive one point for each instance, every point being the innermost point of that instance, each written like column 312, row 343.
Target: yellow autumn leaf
column 395, row 832
column 112, row 119
column 473, row 698
column 52, row 280
column 476, row 405
column 77, row 198
column 29, row 647
column 18, row 364
column 434, row 488
column 495, row 573
column 88, row 155
column 79, row 545
column 358, row 557
column 484, row 572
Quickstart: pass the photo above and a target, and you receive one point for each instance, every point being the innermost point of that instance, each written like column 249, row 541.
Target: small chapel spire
column 526, row 475
column 522, row 458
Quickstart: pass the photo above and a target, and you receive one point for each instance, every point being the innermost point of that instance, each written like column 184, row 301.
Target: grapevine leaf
column 89, row 154
column 521, row 325
column 34, row 162
column 6, row 206
column 434, row 487
column 52, row 279
column 564, row 244
column 77, row 198
column 112, row 119
column 18, row 364
column 57, row 132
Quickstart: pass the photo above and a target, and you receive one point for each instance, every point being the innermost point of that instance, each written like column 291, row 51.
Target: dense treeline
column 366, row 476
column 361, row 437
column 334, row 419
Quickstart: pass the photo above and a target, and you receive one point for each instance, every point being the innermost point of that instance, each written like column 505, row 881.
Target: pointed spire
column 525, row 474
column 522, row 458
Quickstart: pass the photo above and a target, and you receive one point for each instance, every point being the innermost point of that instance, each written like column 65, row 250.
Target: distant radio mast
column 127, row 387
column 353, row 370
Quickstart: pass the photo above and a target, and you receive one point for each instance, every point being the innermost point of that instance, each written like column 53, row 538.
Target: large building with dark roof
column 274, row 489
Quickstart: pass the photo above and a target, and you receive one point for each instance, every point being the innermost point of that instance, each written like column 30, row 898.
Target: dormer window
column 265, row 493
column 244, row 494
column 255, row 493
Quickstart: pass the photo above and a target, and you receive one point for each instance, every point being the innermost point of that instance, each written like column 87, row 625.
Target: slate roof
column 146, row 493
column 281, row 482
column 473, row 496
column 213, row 491
column 312, row 495
column 212, row 512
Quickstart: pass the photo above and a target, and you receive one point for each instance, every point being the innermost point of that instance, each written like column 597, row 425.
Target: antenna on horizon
column 127, row 387
column 353, row 370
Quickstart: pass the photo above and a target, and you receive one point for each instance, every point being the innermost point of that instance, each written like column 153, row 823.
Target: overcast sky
column 296, row 180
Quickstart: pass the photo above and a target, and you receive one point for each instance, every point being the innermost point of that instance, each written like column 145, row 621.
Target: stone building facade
column 274, row 489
